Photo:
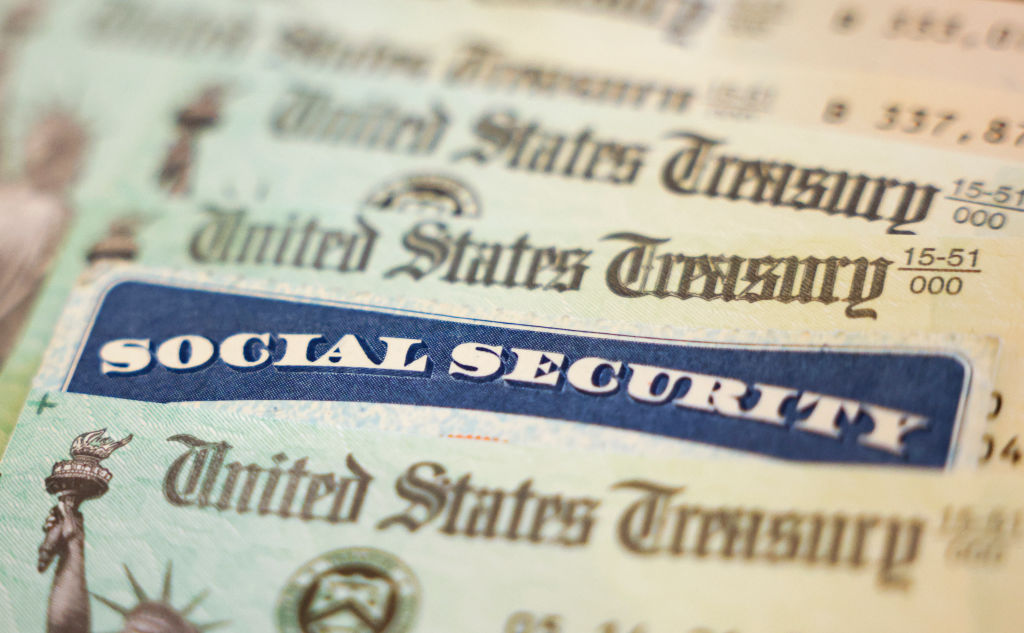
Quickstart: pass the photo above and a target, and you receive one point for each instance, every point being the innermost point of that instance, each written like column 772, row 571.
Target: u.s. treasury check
column 979, row 42
column 193, row 517
column 970, row 104
column 420, row 219
column 317, row 135
column 424, row 368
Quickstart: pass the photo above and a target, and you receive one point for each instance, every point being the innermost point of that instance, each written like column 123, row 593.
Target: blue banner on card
column 160, row 343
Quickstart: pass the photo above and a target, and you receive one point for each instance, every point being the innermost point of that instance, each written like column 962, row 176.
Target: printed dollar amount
column 957, row 127
column 931, row 27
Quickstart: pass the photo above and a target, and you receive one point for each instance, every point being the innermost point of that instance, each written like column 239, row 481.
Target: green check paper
column 425, row 149
column 160, row 518
column 511, row 316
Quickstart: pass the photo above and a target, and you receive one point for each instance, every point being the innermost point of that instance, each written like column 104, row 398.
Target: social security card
column 451, row 370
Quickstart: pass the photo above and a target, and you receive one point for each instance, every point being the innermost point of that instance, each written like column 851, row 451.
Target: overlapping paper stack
column 511, row 316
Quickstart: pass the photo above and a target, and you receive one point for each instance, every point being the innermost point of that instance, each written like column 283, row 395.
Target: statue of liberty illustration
column 74, row 481
column 34, row 208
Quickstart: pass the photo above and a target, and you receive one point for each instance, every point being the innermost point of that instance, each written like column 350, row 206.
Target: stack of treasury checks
column 511, row 316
